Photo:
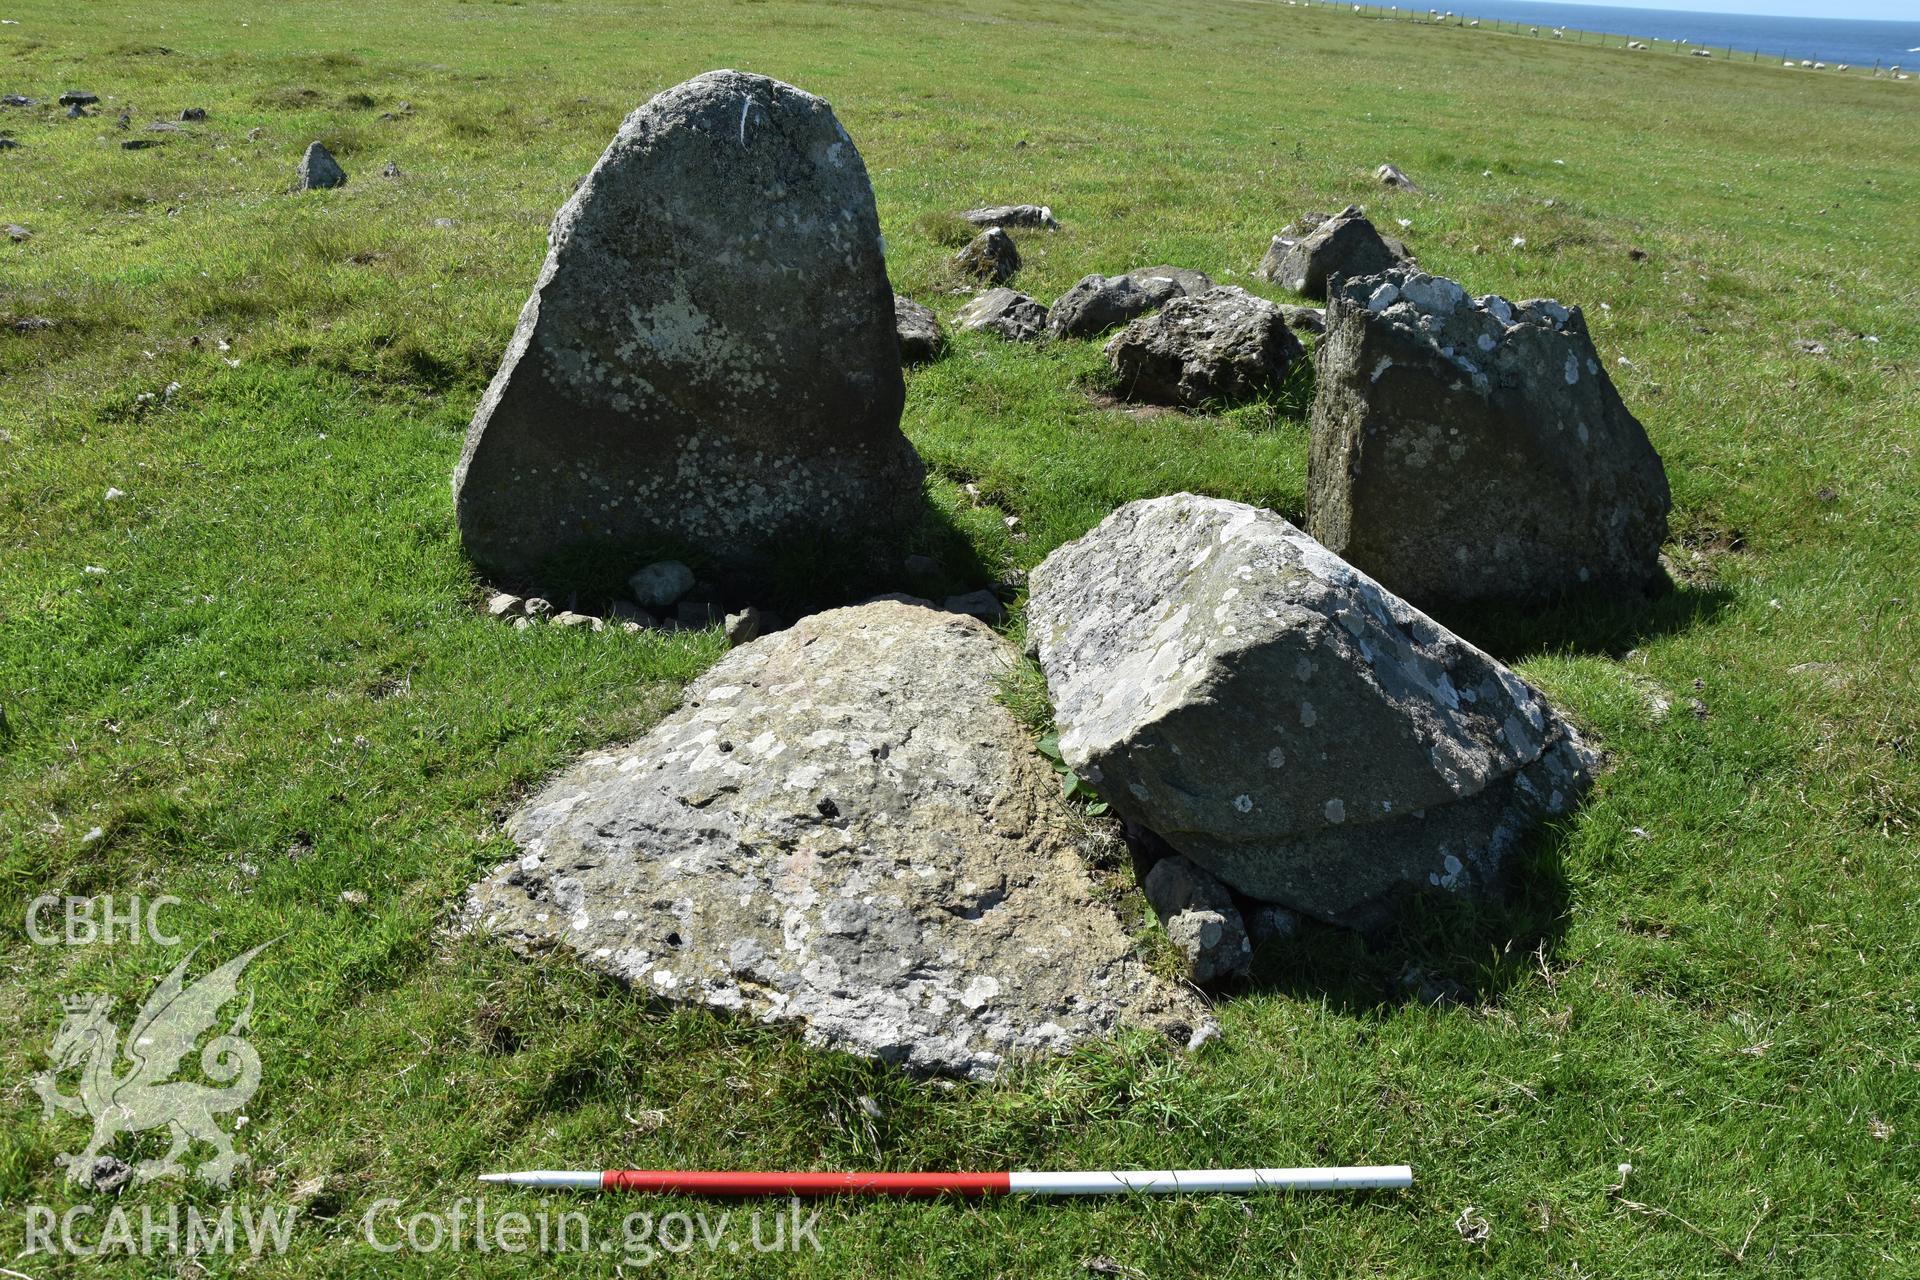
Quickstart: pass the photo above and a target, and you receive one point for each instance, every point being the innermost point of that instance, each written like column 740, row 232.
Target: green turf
column 279, row 691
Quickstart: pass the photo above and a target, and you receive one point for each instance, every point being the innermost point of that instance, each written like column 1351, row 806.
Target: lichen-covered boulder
column 1318, row 247
column 1012, row 315
column 1165, row 283
column 1096, row 304
column 921, row 337
column 1285, row 721
column 842, row 828
column 1222, row 347
column 1472, row 449
column 709, row 355
column 990, row 257
column 1036, row 216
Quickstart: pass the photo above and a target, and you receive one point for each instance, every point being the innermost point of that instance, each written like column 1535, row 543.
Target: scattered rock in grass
column 77, row 112
column 139, row 144
column 661, row 584
column 1036, row 216
column 1012, row 315
column 164, row 126
column 1285, row 721
column 255, row 134
column 31, row 324
column 504, row 604
column 922, row 340
column 1811, row 347
column 1637, row 254
column 990, row 256
column 1223, row 347
column 17, row 100
column 1388, row 175
column 1468, row 449
column 536, row 606
column 982, row 604
column 759, row 397
column 568, row 618
column 192, row 114
column 1311, row 321
column 108, row 1174
column 353, row 897
column 75, row 98
column 1310, row 252
column 115, row 494
column 1096, row 304
column 1201, row 921
column 1164, row 283
column 917, row 900
column 318, row 170
column 389, row 170
column 17, row 233
column 7, row 143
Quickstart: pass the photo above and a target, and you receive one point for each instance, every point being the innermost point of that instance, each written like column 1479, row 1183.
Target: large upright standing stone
column 709, row 355
column 1472, row 449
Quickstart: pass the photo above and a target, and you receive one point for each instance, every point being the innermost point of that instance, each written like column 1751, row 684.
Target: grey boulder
column 1010, row 314
column 318, row 170
column 1311, row 321
column 991, row 257
column 1471, row 449
column 1285, row 721
column 841, row 828
column 1036, row 216
column 921, row 337
column 1163, row 284
column 1310, row 252
column 1201, row 920
column 708, row 357
column 1097, row 304
column 1222, row 347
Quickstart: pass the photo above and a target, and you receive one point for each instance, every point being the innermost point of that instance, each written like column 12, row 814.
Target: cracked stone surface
column 1012, row 315
column 1221, row 347
column 842, row 827
column 921, row 337
column 1285, row 721
column 1308, row 253
column 709, row 355
column 1474, row 449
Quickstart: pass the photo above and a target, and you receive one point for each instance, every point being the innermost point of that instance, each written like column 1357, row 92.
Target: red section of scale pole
column 804, row 1184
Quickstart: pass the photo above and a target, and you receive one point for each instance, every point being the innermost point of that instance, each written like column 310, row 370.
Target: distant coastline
column 1858, row 43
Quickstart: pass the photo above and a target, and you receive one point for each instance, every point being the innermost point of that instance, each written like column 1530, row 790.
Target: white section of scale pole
column 1174, row 1180
column 546, row 1178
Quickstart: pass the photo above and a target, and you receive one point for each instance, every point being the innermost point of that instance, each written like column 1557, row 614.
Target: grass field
column 278, row 692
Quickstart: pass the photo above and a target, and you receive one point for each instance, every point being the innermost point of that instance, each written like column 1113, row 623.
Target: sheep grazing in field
column 1819, row 66
column 1703, row 53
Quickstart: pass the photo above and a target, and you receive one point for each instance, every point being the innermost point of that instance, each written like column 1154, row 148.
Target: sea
column 1832, row 40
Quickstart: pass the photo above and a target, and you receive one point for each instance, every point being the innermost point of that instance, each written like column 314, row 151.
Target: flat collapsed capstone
column 841, row 828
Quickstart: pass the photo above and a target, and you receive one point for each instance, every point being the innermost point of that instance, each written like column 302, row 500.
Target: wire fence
column 1680, row 47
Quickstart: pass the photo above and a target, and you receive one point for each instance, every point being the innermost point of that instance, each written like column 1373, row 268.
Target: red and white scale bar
column 1100, row 1183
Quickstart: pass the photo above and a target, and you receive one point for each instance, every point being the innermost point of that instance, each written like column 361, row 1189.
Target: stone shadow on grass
column 797, row 576
column 1437, row 949
column 1590, row 624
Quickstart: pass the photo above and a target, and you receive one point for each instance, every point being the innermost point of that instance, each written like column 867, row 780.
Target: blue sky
column 1886, row 10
